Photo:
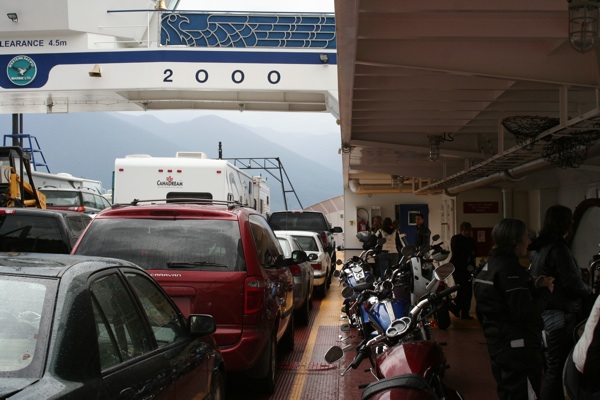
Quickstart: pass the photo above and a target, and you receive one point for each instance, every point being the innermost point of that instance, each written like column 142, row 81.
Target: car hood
column 10, row 386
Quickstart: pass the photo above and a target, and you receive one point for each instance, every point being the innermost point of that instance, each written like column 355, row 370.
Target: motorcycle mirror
column 334, row 354
column 444, row 271
column 347, row 291
column 381, row 241
column 345, row 328
column 336, row 273
column 387, row 285
column 339, row 262
column 435, row 238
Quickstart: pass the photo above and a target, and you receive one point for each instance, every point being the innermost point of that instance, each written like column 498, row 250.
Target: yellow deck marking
column 328, row 315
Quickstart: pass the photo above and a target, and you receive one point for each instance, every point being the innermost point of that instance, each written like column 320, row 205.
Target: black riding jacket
column 558, row 262
column 508, row 305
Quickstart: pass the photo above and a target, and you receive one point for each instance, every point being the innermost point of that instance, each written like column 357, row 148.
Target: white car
column 303, row 278
column 318, row 258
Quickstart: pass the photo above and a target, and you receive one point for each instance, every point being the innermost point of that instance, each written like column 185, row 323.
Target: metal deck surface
column 303, row 373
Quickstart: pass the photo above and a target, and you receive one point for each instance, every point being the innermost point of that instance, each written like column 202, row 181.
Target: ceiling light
column 160, row 5
column 324, row 58
column 13, row 17
column 434, row 147
column 395, row 181
column 96, row 72
column 583, row 24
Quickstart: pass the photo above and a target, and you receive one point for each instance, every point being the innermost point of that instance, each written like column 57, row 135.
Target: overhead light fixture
column 96, row 72
column 346, row 148
column 434, row 147
column 160, row 5
column 583, row 24
column 13, row 17
column 324, row 57
column 396, row 181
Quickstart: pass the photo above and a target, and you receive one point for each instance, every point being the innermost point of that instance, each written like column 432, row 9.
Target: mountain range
column 86, row 145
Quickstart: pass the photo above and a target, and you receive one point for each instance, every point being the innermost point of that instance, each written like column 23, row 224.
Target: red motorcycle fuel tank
column 410, row 358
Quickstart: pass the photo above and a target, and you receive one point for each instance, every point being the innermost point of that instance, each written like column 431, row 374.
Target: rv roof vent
column 191, row 154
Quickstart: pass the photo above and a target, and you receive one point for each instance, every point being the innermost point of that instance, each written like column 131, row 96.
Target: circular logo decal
column 21, row 70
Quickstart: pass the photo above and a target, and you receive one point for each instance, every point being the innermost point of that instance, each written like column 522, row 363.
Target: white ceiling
column 413, row 69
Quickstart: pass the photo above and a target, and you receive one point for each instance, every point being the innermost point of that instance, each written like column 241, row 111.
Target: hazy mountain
column 86, row 145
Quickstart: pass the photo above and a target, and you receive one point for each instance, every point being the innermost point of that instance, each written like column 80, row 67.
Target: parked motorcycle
column 405, row 360
column 423, row 264
column 356, row 275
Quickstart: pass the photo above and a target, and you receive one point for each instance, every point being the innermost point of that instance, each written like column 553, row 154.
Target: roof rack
column 184, row 200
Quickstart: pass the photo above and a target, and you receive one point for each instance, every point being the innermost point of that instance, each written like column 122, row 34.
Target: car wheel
column 302, row 314
column 217, row 388
column 287, row 341
column 321, row 290
column 268, row 382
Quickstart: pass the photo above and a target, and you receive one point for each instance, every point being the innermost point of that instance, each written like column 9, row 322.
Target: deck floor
column 303, row 373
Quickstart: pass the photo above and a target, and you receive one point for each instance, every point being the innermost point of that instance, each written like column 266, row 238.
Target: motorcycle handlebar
column 360, row 356
column 431, row 299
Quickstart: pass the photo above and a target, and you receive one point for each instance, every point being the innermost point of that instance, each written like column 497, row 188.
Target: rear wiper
column 194, row 264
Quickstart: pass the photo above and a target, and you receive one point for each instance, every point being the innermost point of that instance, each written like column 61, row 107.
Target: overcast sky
column 296, row 122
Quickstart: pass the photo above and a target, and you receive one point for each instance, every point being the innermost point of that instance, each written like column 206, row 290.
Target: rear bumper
column 244, row 355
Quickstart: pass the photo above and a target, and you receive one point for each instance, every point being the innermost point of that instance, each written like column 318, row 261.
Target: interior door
column 406, row 213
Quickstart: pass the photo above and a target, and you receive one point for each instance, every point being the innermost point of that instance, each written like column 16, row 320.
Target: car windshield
column 29, row 233
column 285, row 245
column 161, row 244
column 26, row 307
column 308, row 243
column 61, row 197
column 296, row 221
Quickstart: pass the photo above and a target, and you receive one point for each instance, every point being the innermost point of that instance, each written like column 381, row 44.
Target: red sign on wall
column 480, row 207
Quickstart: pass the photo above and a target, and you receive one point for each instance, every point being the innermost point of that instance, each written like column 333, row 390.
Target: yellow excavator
column 14, row 190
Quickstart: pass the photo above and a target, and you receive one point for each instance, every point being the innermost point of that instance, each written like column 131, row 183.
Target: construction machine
column 16, row 181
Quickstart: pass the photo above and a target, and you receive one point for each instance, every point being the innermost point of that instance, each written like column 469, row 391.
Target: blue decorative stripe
column 46, row 61
column 248, row 31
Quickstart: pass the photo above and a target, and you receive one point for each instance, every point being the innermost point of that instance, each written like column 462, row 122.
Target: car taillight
column 324, row 238
column 318, row 266
column 295, row 269
column 9, row 211
column 254, row 295
column 77, row 208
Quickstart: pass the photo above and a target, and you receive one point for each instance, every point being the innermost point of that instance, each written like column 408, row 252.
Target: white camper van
column 189, row 175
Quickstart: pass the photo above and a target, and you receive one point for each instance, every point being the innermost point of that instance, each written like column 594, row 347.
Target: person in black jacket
column 551, row 256
column 509, row 307
column 462, row 246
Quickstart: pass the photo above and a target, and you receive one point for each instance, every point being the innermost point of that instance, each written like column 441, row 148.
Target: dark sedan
column 98, row 328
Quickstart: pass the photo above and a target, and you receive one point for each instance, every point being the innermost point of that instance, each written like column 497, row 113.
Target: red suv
column 222, row 260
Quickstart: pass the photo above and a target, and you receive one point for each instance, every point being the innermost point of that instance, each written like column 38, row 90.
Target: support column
column 507, row 203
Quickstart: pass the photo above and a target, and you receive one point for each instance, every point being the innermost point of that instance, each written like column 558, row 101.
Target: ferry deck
column 304, row 374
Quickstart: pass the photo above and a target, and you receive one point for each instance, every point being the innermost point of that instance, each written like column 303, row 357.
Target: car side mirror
column 299, row 256
column 336, row 229
column 202, row 324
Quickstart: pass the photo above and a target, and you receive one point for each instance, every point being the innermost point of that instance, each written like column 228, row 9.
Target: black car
column 40, row 231
column 98, row 328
